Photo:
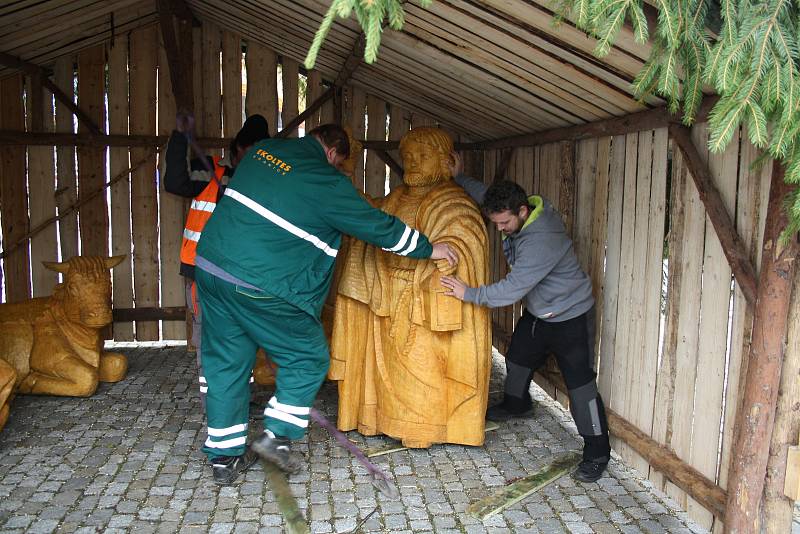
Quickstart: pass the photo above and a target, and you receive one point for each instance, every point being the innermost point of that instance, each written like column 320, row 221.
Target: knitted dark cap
column 254, row 129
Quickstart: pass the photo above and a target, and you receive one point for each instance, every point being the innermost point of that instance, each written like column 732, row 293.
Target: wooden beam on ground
column 388, row 160
column 174, row 313
column 179, row 56
column 634, row 122
column 34, row 70
column 687, row 478
column 732, row 244
column 755, row 418
column 292, row 126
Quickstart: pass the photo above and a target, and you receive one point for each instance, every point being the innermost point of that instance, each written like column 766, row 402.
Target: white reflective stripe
column 235, row 442
column 411, row 246
column 288, row 408
column 203, row 380
column 191, row 235
column 218, row 432
column 203, row 205
column 400, row 244
column 283, row 416
column 203, row 389
column 252, row 379
column 280, row 221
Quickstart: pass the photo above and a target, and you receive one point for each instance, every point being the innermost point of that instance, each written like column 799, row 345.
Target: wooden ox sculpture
column 53, row 345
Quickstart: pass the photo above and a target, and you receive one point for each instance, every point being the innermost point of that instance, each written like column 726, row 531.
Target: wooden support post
column 41, row 190
column 375, row 167
column 262, row 84
column 782, row 486
column 290, row 70
column 14, row 194
column 92, row 160
column 16, row 63
column 179, row 54
column 399, row 124
column 501, row 171
column 118, row 162
column 732, row 245
column 67, row 182
column 756, row 415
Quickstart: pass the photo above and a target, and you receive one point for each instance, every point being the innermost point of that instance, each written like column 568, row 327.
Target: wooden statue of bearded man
column 411, row 362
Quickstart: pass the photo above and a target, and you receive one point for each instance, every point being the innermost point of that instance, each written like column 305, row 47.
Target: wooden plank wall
column 672, row 329
column 135, row 216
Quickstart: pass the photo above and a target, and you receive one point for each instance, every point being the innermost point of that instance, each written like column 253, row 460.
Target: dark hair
column 254, row 129
column 504, row 195
column 333, row 136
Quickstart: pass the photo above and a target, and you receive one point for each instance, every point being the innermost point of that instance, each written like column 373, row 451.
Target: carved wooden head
column 85, row 293
column 426, row 156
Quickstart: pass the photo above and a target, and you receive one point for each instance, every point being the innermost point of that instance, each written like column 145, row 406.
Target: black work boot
column 278, row 451
column 511, row 407
column 590, row 470
column 226, row 469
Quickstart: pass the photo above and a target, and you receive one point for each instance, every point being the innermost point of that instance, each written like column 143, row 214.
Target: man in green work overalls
column 263, row 269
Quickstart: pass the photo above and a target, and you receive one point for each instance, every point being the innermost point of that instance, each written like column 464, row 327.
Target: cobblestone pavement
column 128, row 460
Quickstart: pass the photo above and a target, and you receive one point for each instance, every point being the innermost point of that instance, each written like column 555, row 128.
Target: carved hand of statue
column 444, row 267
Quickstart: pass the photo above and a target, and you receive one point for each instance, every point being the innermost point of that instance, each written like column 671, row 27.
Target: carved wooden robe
column 411, row 362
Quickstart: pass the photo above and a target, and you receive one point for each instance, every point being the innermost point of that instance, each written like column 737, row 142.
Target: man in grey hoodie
column 559, row 311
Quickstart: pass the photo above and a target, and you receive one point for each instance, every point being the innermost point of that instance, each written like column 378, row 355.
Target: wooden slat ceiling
column 39, row 31
column 486, row 69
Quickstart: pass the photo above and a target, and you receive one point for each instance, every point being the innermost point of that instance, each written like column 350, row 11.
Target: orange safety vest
column 199, row 212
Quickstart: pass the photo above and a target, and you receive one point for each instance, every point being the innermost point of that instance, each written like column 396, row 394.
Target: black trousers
column 570, row 341
column 572, row 344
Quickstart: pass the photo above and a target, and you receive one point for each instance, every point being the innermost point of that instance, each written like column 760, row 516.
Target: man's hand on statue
column 443, row 251
column 456, row 164
column 444, row 267
column 456, row 288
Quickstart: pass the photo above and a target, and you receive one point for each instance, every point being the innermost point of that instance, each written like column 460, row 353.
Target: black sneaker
column 226, row 469
column 589, row 471
column 278, row 451
column 510, row 408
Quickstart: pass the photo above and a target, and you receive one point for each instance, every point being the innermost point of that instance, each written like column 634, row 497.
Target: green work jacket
column 280, row 223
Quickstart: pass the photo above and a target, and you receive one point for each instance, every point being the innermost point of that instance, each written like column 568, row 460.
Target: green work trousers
column 236, row 321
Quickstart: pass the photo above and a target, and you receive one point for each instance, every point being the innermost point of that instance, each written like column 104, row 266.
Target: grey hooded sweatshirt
column 545, row 273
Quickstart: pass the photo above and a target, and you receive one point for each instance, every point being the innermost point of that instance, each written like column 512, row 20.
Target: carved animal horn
column 113, row 261
column 62, row 267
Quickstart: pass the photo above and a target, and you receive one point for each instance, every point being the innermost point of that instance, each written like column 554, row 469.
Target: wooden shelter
column 697, row 302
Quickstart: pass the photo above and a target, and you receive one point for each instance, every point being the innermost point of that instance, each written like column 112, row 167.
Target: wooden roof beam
column 634, row 122
column 35, row 70
column 732, row 244
column 180, row 10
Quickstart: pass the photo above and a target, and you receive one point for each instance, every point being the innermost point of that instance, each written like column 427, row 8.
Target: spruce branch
column 370, row 15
